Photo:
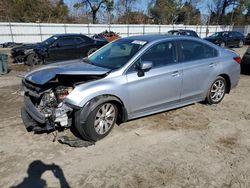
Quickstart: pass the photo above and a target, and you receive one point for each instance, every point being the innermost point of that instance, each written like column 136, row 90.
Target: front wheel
column 217, row 91
column 99, row 123
column 34, row 59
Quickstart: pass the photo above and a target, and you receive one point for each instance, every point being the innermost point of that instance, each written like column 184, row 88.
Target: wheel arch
column 228, row 82
column 96, row 101
column 34, row 52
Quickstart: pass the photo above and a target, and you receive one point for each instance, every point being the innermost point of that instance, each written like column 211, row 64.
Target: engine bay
column 48, row 101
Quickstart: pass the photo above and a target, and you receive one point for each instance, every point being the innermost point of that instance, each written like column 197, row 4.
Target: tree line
column 223, row 12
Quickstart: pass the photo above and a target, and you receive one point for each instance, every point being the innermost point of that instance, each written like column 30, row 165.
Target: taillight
column 237, row 59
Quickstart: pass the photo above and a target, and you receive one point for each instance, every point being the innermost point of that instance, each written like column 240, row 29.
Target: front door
column 160, row 87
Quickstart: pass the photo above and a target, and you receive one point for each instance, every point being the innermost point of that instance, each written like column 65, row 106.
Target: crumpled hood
column 75, row 67
column 27, row 46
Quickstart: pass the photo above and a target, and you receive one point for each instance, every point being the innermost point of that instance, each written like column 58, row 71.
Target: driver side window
column 161, row 54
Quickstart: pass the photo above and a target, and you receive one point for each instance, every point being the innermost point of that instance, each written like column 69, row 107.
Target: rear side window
column 193, row 50
column 237, row 34
column 66, row 41
column 79, row 40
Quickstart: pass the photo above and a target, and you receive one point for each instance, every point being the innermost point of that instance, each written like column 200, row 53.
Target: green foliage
column 173, row 11
column 34, row 10
column 164, row 11
column 189, row 15
column 134, row 18
column 238, row 15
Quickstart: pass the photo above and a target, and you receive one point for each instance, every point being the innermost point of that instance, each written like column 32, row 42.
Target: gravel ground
column 195, row 146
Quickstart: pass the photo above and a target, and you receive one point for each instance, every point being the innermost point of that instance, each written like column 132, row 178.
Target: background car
column 56, row 48
column 108, row 36
column 129, row 78
column 10, row 44
column 183, row 32
column 245, row 65
column 247, row 40
column 227, row 39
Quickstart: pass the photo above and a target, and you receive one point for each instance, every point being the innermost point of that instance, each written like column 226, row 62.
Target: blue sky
column 142, row 5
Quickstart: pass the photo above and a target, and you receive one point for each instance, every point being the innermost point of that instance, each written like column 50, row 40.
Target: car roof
column 151, row 38
column 68, row 35
column 178, row 30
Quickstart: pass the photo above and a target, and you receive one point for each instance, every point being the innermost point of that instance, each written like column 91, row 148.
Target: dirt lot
column 195, row 146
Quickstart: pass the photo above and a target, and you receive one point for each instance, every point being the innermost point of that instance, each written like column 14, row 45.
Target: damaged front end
column 44, row 107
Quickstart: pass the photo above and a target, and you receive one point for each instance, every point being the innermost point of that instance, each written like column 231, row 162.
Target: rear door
column 231, row 39
column 237, row 38
column 159, row 87
column 198, row 61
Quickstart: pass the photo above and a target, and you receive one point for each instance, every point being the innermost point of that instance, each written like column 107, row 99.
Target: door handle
column 212, row 65
column 175, row 73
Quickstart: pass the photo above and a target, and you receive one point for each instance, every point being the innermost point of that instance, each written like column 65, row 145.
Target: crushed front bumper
column 36, row 121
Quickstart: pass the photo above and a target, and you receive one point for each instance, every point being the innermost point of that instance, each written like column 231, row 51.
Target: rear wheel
column 99, row 123
column 222, row 44
column 217, row 91
column 241, row 43
column 34, row 59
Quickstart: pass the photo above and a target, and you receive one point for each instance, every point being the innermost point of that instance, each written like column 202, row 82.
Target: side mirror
column 145, row 66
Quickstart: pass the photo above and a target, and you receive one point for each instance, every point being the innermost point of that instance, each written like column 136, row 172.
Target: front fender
column 87, row 91
column 28, row 52
column 92, row 104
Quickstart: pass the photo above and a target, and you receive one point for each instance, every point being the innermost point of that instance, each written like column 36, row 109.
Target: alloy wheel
column 218, row 90
column 36, row 60
column 104, row 118
column 241, row 44
column 222, row 44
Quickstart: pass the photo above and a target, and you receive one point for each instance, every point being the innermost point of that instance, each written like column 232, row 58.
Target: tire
column 92, row 50
column 222, row 44
column 216, row 91
column 34, row 59
column 97, row 125
column 241, row 43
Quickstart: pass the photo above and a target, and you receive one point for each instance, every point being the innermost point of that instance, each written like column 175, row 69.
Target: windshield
column 116, row 54
column 50, row 40
column 217, row 34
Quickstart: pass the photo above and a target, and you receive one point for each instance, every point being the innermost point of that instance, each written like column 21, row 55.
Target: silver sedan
column 126, row 79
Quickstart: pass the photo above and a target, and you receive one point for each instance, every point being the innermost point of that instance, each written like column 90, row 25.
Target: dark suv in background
column 56, row 48
column 227, row 39
column 183, row 32
column 247, row 41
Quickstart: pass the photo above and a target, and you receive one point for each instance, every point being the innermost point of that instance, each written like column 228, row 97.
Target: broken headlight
column 62, row 92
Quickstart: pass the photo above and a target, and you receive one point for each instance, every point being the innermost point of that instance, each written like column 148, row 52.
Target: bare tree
column 95, row 6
